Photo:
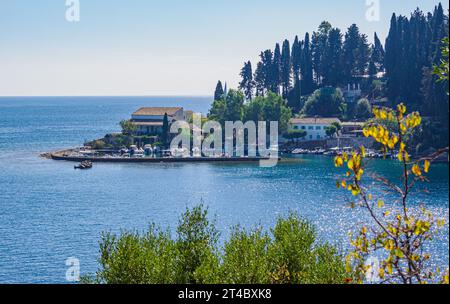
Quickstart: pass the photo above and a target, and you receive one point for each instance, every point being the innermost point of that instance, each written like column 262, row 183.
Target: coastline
column 64, row 155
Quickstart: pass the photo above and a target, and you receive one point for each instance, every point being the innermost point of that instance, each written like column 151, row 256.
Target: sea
column 51, row 214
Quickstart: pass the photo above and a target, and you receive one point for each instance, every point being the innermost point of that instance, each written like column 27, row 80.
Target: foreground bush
column 289, row 254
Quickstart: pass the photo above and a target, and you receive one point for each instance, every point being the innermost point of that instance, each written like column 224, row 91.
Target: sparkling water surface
column 50, row 212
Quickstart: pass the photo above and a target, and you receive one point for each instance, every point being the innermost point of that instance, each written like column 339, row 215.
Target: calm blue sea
column 50, row 212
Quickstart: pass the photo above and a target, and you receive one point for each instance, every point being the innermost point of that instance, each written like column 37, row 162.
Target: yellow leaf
column 416, row 170
column 380, row 204
column 338, row 161
column 363, row 151
column 401, row 108
column 426, row 166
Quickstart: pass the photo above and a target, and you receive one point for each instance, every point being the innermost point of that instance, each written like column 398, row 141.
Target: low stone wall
column 353, row 142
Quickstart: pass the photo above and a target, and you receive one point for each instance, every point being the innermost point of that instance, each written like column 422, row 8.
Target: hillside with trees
column 313, row 73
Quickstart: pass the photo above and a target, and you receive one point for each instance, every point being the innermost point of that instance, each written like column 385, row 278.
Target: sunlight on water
column 50, row 212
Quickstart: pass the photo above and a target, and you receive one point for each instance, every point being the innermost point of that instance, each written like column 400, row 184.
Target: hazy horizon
column 149, row 48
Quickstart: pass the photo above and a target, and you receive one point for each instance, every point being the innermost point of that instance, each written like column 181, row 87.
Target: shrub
column 363, row 109
column 325, row 102
column 196, row 243
column 288, row 254
column 245, row 259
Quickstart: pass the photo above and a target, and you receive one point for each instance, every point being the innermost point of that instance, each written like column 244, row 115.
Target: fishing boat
column 84, row 165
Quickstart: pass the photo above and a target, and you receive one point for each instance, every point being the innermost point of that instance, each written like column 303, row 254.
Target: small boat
column 84, row 165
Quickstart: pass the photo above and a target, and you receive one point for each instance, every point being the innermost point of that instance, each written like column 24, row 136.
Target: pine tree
column 247, row 83
column 218, row 94
column 363, row 55
column 263, row 73
column 331, row 61
column 318, row 47
column 286, row 68
column 350, row 56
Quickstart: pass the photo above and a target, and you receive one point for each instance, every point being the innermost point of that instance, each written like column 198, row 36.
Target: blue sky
column 170, row 47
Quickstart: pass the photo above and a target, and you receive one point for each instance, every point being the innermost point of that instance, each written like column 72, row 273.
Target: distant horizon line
column 89, row 96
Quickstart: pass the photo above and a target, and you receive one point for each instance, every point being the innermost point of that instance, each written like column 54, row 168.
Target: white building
column 352, row 93
column 315, row 127
column 149, row 121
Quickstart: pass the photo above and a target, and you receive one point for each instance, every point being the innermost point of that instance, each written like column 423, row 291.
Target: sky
column 170, row 47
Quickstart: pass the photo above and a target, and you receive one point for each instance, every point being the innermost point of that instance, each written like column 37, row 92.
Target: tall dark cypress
column 165, row 131
column 377, row 53
column 391, row 59
column 306, row 68
column 286, row 67
column 276, row 70
column 296, row 57
column 218, row 94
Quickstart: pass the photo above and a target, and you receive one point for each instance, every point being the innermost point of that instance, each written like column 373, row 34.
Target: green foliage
column 296, row 258
column 165, row 131
column 442, row 70
column 245, row 258
column 295, row 134
column 196, row 242
column 137, row 259
column 128, row 127
column 363, row 109
column 227, row 108
column 289, row 254
column 219, row 92
column 324, row 102
column 247, row 84
column 269, row 108
column 331, row 131
column 98, row 144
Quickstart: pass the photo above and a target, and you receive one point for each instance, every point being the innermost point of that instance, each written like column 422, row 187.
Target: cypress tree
column 391, row 60
column 296, row 58
column 306, row 68
column 276, row 70
column 286, row 68
column 165, row 131
column 218, row 94
column 377, row 53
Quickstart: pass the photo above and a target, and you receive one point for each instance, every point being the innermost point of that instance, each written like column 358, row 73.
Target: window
column 310, row 137
column 310, row 128
column 318, row 136
column 303, row 128
column 295, row 127
column 318, row 127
